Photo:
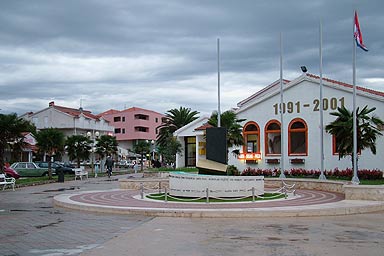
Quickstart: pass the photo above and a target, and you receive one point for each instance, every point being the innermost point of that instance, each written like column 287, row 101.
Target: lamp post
column 153, row 150
column 93, row 136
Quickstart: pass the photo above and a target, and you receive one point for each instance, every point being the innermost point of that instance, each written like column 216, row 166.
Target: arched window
column 297, row 137
column 251, row 134
column 272, row 138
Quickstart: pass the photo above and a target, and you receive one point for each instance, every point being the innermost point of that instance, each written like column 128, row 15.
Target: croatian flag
column 357, row 34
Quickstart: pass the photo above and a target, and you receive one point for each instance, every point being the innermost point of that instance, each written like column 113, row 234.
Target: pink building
column 133, row 124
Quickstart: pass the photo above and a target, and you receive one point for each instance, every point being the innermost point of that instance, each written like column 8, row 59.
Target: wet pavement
column 30, row 225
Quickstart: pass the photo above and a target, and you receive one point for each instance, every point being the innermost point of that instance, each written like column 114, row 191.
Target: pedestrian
column 109, row 165
column 135, row 166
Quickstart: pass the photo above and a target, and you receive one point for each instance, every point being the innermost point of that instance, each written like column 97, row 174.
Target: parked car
column 56, row 168
column 9, row 172
column 68, row 164
column 29, row 169
column 125, row 163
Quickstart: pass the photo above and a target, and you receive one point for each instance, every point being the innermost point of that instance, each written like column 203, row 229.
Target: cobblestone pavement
column 31, row 226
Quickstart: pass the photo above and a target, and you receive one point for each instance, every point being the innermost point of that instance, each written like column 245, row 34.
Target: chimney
column 52, row 103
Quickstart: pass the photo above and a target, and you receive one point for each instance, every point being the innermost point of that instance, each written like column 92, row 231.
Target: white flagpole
column 218, row 84
column 282, row 175
column 322, row 176
column 355, row 179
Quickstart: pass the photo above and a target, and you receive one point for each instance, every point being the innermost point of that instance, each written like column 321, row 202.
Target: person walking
column 109, row 165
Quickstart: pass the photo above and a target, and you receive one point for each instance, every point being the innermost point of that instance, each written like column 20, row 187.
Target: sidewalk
column 30, row 225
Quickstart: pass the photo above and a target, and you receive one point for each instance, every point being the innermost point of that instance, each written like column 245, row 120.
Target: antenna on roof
column 81, row 104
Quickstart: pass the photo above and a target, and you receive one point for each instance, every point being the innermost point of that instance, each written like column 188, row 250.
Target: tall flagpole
column 355, row 178
column 322, row 176
column 218, row 84
column 282, row 175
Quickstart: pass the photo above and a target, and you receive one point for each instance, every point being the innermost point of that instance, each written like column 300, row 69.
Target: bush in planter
column 232, row 170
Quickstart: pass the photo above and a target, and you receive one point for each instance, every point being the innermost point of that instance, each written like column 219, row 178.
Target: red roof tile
column 348, row 85
column 204, row 127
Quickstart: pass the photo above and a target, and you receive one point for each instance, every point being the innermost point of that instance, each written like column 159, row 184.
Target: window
column 297, row 137
column 117, row 130
column 141, row 129
column 156, row 120
column 190, row 151
column 251, row 133
column 123, row 118
column 117, row 119
column 142, row 117
column 123, row 131
column 335, row 145
column 272, row 138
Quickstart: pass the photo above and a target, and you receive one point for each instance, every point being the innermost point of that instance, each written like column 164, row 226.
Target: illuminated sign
column 249, row 156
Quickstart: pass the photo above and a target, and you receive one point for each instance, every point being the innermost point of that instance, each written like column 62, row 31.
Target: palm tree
column 78, row 147
column 106, row 145
column 228, row 119
column 368, row 130
column 50, row 142
column 11, row 129
column 172, row 148
column 174, row 119
column 142, row 147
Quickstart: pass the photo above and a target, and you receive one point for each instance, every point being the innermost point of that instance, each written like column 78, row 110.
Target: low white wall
column 351, row 192
column 364, row 192
column 194, row 185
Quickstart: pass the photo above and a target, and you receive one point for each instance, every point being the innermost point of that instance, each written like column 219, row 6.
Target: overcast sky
column 162, row 54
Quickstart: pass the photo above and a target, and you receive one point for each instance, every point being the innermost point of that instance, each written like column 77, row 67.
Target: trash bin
column 60, row 176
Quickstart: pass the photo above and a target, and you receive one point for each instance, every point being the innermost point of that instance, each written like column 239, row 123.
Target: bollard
column 96, row 170
column 165, row 194
column 142, row 190
column 207, row 195
column 253, row 194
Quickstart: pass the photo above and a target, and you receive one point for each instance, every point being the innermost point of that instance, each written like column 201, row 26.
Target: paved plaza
column 31, row 225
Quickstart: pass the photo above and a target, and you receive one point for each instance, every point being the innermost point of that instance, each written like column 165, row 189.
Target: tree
column 368, row 130
column 142, row 147
column 174, row 119
column 11, row 133
column 50, row 142
column 106, row 145
column 228, row 119
column 78, row 147
column 169, row 152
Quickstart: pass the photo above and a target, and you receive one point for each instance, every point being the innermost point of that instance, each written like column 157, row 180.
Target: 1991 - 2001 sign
column 296, row 107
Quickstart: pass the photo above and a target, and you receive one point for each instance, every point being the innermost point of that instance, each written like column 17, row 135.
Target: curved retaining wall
column 351, row 192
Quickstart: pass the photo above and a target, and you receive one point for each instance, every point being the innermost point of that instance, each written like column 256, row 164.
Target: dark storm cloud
column 162, row 54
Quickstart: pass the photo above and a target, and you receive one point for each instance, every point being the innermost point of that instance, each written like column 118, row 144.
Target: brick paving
column 30, row 225
column 128, row 198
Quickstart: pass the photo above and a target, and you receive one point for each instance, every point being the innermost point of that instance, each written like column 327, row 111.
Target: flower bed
column 300, row 172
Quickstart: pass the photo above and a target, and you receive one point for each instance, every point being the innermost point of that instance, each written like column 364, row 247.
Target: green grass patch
column 161, row 197
column 29, row 181
column 372, row 182
column 165, row 169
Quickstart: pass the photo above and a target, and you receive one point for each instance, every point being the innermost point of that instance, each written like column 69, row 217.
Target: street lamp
column 152, row 148
column 93, row 136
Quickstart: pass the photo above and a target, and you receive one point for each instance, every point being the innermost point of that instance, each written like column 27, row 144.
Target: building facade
column 192, row 139
column 133, row 124
column 301, row 125
column 70, row 121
